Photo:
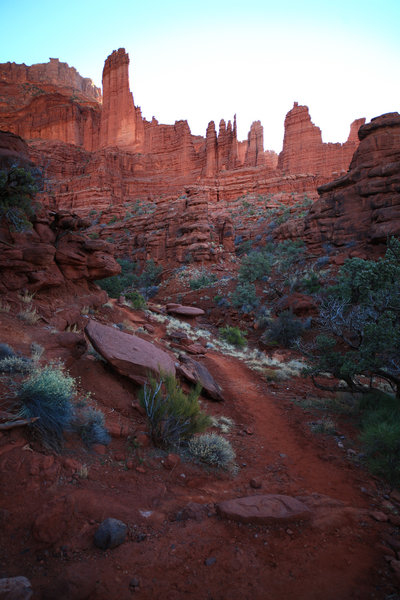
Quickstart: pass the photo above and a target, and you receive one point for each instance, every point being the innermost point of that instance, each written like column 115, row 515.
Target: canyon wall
column 53, row 102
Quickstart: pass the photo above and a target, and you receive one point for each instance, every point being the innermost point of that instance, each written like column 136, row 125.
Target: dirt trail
column 253, row 400
column 50, row 512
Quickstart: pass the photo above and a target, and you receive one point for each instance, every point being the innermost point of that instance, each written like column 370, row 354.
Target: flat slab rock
column 186, row 311
column 267, row 509
column 195, row 372
column 128, row 354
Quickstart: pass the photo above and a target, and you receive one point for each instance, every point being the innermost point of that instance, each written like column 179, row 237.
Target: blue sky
column 206, row 60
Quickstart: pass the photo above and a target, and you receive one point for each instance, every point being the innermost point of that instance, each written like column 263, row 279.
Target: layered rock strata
column 363, row 206
column 304, row 152
column 52, row 102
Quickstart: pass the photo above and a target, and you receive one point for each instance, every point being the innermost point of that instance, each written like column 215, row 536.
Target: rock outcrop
column 55, row 250
column 363, row 206
column 50, row 101
column 128, row 354
column 304, row 152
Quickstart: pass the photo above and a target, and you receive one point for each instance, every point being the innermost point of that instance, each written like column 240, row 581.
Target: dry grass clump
column 4, row 306
column 29, row 315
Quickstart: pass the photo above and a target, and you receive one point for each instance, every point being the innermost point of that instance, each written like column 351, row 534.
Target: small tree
column 360, row 325
column 17, row 191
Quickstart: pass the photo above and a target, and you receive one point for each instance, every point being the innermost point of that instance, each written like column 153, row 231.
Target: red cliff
column 304, row 152
column 363, row 206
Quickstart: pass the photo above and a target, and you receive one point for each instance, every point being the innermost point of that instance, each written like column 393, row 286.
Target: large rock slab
column 186, row 311
column 195, row 372
column 271, row 508
column 128, row 354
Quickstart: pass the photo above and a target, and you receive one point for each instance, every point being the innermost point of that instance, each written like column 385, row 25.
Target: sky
column 206, row 60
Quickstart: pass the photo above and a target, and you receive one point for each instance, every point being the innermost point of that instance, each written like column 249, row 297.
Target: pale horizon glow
column 208, row 61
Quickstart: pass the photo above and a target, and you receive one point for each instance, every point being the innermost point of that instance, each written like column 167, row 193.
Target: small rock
column 134, row 582
column 378, row 516
column 99, row 449
column 256, row 483
column 119, row 457
column 110, row 534
column 171, row 461
column 140, row 469
column 395, row 520
column 210, row 561
column 15, row 588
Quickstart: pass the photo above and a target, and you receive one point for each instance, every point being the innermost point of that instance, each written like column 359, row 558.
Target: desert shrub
column 233, row 335
column 89, row 423
column 212, row 449
column 136, row 299
column 204, row 279
column 284, row 330
column 173, row 416
column 6, row 351
column 17, row 191
column 311, row 283
column 46, row 394
column 15, row 364
column 256, row 265
column 324, row 425
column 244, row 297
column 242, row 247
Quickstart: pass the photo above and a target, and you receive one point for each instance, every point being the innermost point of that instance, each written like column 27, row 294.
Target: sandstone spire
column 118, row 119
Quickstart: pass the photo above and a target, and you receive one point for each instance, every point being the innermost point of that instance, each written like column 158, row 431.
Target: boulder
column 195, row 372
column 128, row 354
column 15, row 588
column 263, row 510
column 110, row 534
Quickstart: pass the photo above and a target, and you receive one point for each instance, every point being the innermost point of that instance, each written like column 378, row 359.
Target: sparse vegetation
column 234, row 336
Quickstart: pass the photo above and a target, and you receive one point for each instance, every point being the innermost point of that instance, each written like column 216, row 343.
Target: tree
column 360, row 325
column 17, row 191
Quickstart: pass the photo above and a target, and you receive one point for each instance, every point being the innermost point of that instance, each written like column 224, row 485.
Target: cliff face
column 96, row 154
column 368, row 195
column 49, row 101
column 304, row 152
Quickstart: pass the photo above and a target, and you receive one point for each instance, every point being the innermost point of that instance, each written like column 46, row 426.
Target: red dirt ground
column 49, row 513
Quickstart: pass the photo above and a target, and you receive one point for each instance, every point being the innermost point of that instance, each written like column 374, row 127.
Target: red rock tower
column 118, row 119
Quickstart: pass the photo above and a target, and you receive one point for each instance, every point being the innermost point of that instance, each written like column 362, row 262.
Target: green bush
column 46, row 394
column 174, row 417
column 17, row 191
column 212, row 449
column 255, row 265
column 205, row 279
column 244, row 297
column 233, row 335
column 284, row 330
column 136, row 299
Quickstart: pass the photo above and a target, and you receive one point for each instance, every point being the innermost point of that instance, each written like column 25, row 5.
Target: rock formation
column 368, row 195
column 304, row 152
column 118, row 115
column 129, row 153
column 50, row 101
